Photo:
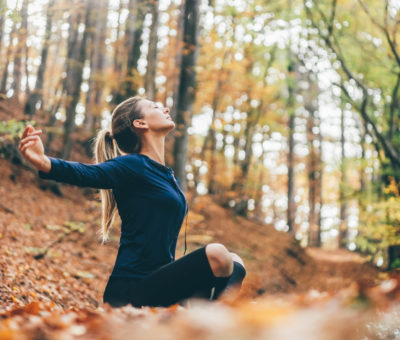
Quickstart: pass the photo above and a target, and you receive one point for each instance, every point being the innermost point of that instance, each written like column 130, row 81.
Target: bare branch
column 384, row 30
column 393, row 106
column 333, row 14
column 368, row 13
column 385, row 18
column 387, row 146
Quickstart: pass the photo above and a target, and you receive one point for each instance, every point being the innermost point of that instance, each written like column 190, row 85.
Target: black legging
column 189, row 276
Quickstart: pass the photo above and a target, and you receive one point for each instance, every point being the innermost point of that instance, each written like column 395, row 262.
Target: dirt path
column 335, row 255
column 339, row 268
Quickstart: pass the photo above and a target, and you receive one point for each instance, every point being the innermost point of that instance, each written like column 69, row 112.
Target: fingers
column 26, row 146
column 35, row 133
column 27, row 140
column 30, row 130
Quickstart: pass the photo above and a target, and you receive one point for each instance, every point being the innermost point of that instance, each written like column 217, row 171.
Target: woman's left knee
column 237, row 258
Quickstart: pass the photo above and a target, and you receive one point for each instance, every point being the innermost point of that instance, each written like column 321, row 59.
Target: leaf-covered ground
column 352, row 314
column 53, row 272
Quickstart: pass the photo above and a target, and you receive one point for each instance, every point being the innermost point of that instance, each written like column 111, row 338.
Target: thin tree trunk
column 98, row 23
column 343, row 232
column 77, row 53
column 22, row 34
column 132, row 80
column 3, row 9
column 178, row 61
column 187, row 87
column 291, row 163
column 314, row 160
column 291, row 156
column 58, row 96
column 134, row 30
column 150, row 84
column 27, row 88
column 258, row 213
column 118, row 55
column 121, row 62
column 3, row 86
column 36, row 95
column 211, row 135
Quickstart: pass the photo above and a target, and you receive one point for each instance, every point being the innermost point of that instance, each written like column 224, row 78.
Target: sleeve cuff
column 52, row 174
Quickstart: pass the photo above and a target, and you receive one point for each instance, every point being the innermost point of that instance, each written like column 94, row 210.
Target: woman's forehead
column 149, row 102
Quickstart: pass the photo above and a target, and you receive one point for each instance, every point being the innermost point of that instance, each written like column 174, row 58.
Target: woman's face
column 156, row 117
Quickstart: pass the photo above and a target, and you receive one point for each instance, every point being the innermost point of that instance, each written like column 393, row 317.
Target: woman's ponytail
column 105, row 148
column 110, row 143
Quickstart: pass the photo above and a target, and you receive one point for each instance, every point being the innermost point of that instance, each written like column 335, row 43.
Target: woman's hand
column 32, row 149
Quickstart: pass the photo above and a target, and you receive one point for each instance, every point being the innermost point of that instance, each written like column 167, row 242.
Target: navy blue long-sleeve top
column 150, row 203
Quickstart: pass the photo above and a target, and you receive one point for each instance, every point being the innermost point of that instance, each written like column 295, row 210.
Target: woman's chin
column 170, row 127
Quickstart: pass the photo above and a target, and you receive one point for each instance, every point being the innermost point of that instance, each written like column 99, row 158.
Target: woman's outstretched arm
column 104, row 175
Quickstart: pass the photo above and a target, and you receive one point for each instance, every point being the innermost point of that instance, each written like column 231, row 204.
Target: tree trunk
column 343, row 232
column 150, row 84
column 118, row 55
column 134, row 30
column 132, row 80
column 58, row 97
column 313, row 166
column 178, row 61
column 98, row 24
column 22, row 34
column 291, row 211
column 121, row 62
column 27, row 88
column 211, row 134
column 3, row 85
column 187, row 85
column 73, row 80
column 3, row 9
column 36, row 95
column 258, row 212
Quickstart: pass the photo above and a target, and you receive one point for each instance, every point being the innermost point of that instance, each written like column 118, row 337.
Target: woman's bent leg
column 189, row 276
column 234, row 280
column 176, row 281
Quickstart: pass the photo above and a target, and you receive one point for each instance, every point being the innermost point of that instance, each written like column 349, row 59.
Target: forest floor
column 53, row 271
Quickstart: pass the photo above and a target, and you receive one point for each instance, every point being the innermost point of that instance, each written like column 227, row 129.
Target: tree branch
column 333, row 13
column 393, row 106
column 387, row 146
column 384, row 29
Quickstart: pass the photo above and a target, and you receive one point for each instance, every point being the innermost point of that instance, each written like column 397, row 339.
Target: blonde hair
column 109, row 143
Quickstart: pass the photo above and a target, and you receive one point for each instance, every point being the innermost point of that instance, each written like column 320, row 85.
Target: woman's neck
column 154, row 148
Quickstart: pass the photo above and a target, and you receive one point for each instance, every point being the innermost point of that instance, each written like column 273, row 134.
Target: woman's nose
column 166, row 110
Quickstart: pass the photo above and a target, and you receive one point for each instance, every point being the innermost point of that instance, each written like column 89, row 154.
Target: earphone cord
column 185, row 237
column 187, row 213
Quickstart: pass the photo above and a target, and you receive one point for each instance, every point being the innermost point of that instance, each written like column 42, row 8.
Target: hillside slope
column 50, row 250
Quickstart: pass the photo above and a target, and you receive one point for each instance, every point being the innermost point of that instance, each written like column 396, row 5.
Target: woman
column 134, row 180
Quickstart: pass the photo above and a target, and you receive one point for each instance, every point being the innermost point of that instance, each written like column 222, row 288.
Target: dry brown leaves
column 353, row 313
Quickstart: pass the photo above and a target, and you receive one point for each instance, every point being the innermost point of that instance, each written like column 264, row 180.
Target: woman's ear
column 139, row 124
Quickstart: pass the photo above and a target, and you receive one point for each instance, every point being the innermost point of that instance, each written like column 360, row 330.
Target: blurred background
column 287, row 112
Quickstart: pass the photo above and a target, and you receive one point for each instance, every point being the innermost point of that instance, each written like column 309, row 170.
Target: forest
column 286, row 145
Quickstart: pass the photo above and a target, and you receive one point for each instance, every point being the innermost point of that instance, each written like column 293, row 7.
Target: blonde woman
column 130, row 171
